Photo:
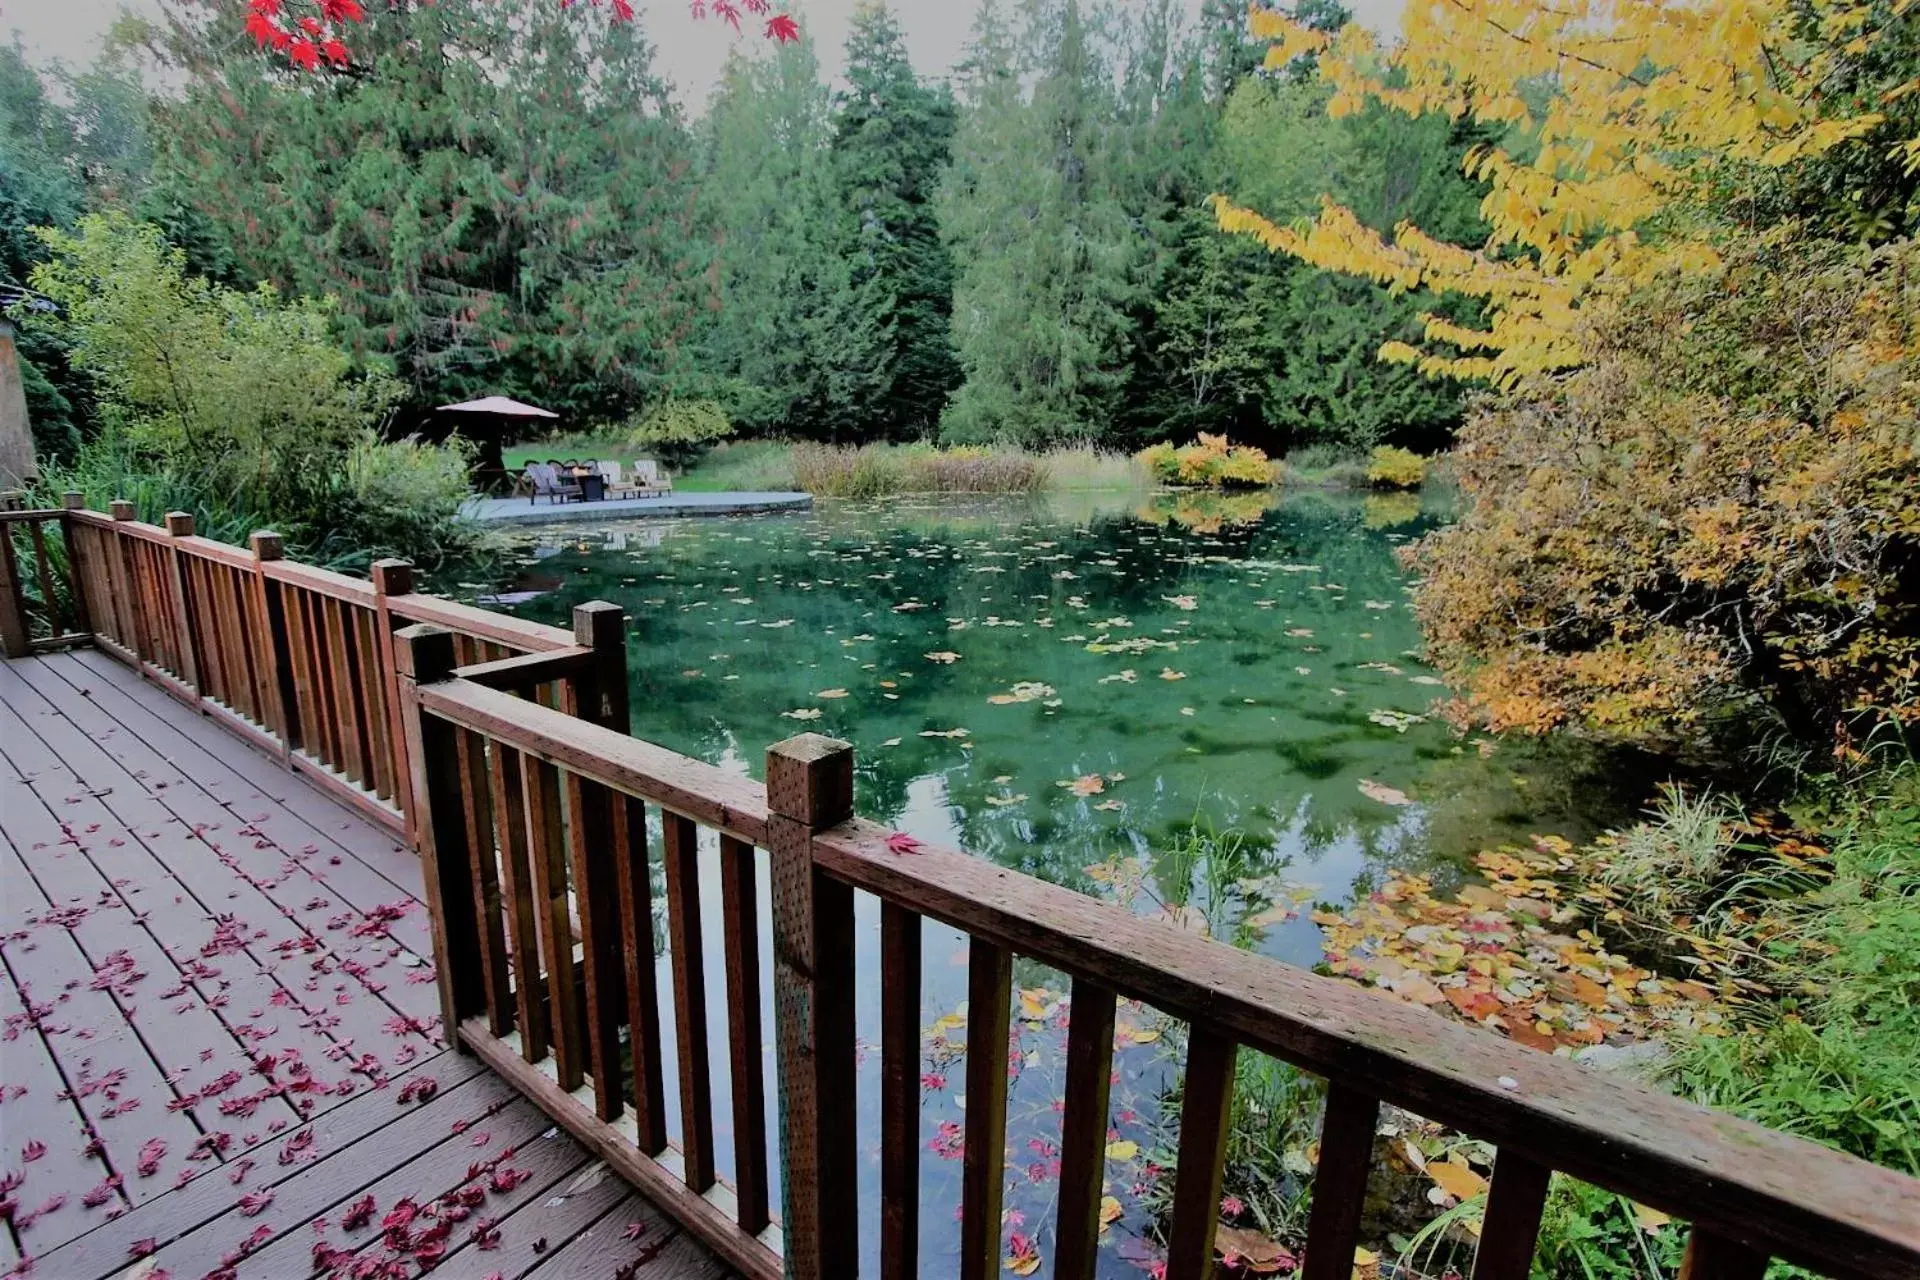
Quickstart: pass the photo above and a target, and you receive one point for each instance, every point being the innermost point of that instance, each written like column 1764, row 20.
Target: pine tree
column 1048, row 259
column 518, row 222
column 801, row 344
column 891, row 141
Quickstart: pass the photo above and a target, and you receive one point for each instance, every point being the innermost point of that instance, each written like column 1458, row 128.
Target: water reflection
column 1208, row 708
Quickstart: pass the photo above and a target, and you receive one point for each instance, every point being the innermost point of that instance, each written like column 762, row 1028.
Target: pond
column 1210, row 709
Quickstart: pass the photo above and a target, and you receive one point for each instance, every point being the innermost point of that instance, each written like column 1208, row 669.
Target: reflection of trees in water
column 1266, row 752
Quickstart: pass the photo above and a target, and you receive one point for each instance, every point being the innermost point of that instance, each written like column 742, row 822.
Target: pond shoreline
column 518, row 511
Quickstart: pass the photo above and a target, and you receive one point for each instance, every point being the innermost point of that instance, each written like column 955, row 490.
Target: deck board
column 137, row 837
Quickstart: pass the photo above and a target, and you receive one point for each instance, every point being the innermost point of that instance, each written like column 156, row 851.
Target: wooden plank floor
column 220, row 1053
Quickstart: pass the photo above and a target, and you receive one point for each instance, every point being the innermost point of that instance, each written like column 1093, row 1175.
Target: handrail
column 295, row 658
column 1750, row 1192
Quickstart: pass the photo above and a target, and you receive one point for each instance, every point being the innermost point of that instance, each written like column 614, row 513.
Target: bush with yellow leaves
column 1210, row 462
column 1713, row 523
column 1390, row 467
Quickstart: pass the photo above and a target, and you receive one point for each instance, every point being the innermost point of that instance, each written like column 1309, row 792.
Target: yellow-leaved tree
column 1623, row 117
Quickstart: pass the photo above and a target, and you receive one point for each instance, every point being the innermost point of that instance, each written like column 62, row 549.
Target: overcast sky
column 691, row 52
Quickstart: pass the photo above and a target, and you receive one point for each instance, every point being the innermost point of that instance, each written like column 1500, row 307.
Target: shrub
column 1393, row 468
column 1210, row 462
column 1715, row 520
column 400, row 497
column 680, row 430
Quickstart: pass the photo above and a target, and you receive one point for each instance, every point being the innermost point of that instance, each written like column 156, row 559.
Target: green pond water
column 1211, row 710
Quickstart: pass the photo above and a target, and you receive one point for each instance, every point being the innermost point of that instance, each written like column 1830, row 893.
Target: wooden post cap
column 74, row 500
column 180, row 523
column 810, row 779
column 393, row 577
column 597, row 623
column 423, row 653
column 267, row 545
column 120, row 509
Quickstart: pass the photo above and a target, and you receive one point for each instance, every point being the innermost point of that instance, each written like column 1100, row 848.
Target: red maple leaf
column 783, row 28
column 901, row 842
column 254, row 1203
column 358, row 1214
column 152, row 1152
column 303, row 53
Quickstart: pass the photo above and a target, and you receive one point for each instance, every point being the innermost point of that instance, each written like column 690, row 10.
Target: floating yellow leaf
column 943, row 656
column 1087, row 784
column 1649, row 1218
column 1110, row 1211
column 1033, row 1002
column 1383, row 793
column 1125, row 1149
column 1024, row 1264
column 804, row 713
column 831, row 693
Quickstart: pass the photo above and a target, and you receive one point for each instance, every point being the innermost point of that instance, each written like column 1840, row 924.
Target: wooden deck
column 221, row 1053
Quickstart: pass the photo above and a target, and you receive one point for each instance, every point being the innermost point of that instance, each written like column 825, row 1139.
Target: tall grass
column 875, row 470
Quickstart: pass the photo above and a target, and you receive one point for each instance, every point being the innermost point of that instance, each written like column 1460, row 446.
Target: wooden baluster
column 1083, row 1130
column 233, row 629
column 43, row 574
column 1206, row 1107
column 121, row 582
column 83, row 566
column 810, row 788
column 203, row 582
column 346, row 691
column 373, row 704
column 1714, row 1257
column 643, row 997
column 589, row 833
column 740, row 914
column 15, row 634
column 186, row 645
column 320, row 667
column 601, row 626
column 282, row 699
column 1340, row 1183
column 547, row 850
column 426, row 655
column 900, row 975
column 516, row 886
column 484, row 875
column 309, row 718
column 983, row 1164
column 392, row 578
column 689, row 999
column 1512, row 1219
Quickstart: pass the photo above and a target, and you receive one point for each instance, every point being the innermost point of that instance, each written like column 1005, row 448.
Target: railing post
column 180, row 525
column 810, row 788
column 424, row 655
column 74, row 500
column 282, row 706
column 14, row 636
column 601, row 627
column 394, row 578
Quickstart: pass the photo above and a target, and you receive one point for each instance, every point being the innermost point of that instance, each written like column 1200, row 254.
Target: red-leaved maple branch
column 311, row 33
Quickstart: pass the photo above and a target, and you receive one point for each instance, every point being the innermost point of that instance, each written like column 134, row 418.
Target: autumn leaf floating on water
column 945, row 657
column 1383, row 793
column 1025, row 691
column 1250, row 1251
column 1510, row 956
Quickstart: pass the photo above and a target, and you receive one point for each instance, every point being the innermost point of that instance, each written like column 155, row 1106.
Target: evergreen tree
column 500, row 199
column 802, row 344
column 891, row 141
column 1047, row 257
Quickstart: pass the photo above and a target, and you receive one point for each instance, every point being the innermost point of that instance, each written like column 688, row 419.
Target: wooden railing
column 530, row 808
column 297, row 659
column 529, row 819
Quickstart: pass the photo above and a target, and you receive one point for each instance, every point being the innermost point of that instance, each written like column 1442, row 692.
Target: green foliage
column 680, row 430
column 891, row 136
column 1047, row 260
column 1390, row 467
column 804, row 346
column 399, row 498
column 244, row 391
column 1832, row 1056
column 1713, row 523
column 524, row 222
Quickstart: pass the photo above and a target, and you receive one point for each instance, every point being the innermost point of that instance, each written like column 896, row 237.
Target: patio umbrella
column 484, row 421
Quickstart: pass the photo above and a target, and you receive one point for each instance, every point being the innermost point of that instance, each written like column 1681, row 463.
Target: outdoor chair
column 550, row 483
column 649, row 481
column 618, row 486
